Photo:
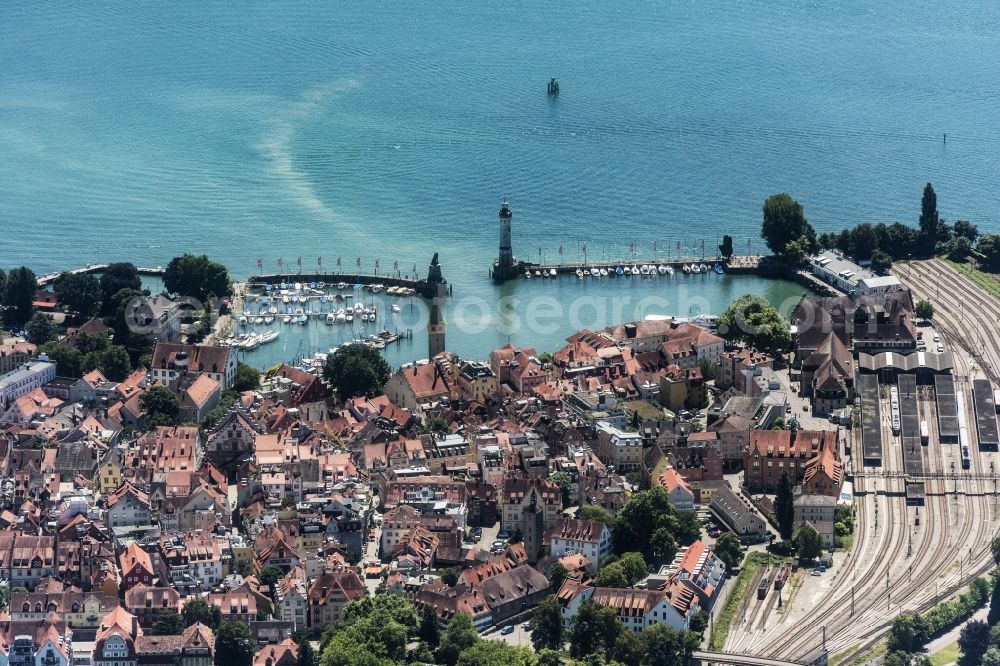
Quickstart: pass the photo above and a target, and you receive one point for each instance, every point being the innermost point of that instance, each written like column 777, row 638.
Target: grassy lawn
column 946, row 655
column 839, row 657
column 988, row 282
column 751, row 565
column 874, row 653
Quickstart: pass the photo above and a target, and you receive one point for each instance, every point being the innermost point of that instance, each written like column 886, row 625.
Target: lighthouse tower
column 436, row 325
column 504, row 268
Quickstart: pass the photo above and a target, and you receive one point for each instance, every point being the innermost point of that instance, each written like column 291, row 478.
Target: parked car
column 509, row 629
column 526, row 626
column 940, row 348
column 937, row 338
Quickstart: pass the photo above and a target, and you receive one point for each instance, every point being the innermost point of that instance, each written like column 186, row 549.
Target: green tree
column 429, row 632
column 197, row 277
column 67, row 359
column 628, row 649
column 19, row 295
column 114, row 363
column 234, row 644
column 161, row 405
column 994, row 615
column 634, row 566
column 785, row 223
column 974, row 640
column 808, row 542
column 383, row 607
column 594, row 629
column 881, row 262
column 929, row 221
column 565, row 483
column 270, row 575
column 988, row 248
column 651, row 525
column 197, row 609
column 549, row 658
column 784, row 506
column 79, row 294
column 546, row 625
column 356, row 370
column 908, row 633
column 598, row 513
column 991, row 657
column 664, row 646
column 966, row 229
column 611, row 575
column 168, row 623
column 460, row 635
column 516, row 535
column 557, row 576
column 39, row 329
column 959, row 248
column 751, row 319
column 495, row 653
column 864, row 241
column 247, row 378
column 435, row 424
column 729, row 550
column 450, row 576
column 726, row 249
column 307, row 656
column 924, row 310
column 995, row 548
column 115, row 278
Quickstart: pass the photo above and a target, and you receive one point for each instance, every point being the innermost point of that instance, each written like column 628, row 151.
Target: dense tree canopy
column 959, row 248
column 196, row 609
column 168, row 623
column 546, row 624
column 40, row 329
column 785, row 225
column 19, row 290
column 808, row 542
column 356, row 370
column 594, row 629
column 784, row 506
column 79, row 294
column 924, row 310
column 598, row 513
column 115, row 278
column 751, row 319
column 651, row 525
column 460, row 635
column 161, row 405
column 729, row 550
column 234, row 644
column 197, row 277
column 247, row 378
column 496, row 653
column 929, row 221
column 988, row 248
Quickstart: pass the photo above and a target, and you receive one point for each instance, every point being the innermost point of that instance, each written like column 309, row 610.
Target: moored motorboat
column 269, row 336
column 269, row 319
column 619, row 270
column 287, row 319
column 552, row 272
column 718, row 269
column 670, row 269
column 635, row 270
column 330, row 318
column 579, row 272
column 527, row 274
column 685, row 268
column 394, row 307
column 604, row 272
column 595, row 272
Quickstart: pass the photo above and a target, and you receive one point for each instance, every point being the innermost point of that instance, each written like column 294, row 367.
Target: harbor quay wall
column 422, row 286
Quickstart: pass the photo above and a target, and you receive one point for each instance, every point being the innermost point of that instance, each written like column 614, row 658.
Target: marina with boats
column 358, row 314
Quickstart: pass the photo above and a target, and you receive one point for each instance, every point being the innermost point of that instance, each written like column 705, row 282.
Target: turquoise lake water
column 392, row 130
